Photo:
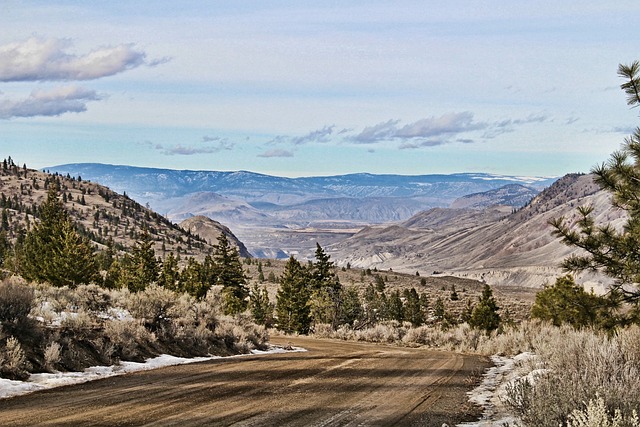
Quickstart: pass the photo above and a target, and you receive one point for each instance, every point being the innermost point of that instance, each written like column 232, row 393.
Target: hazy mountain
column 276, row 215
column 515, row 195
column 500, row 248
column 149, row 184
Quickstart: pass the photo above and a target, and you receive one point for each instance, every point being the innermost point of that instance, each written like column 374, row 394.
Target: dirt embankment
column 334, row 383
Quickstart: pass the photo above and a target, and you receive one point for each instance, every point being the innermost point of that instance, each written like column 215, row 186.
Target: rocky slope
column 210, row 230
column 106, row 217
column 516, row 249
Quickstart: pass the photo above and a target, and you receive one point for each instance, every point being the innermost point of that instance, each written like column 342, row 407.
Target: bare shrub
column 92, row 298
column 577, row 366
column 16, row 301
column 389, row 332
column 128, row 337
column 597, row 415
column 52, row 356
column 241, row 334
column 14, row 362
column 153, row 306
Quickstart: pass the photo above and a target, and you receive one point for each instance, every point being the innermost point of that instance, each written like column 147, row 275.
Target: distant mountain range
column 278, row 216
column 254, row 187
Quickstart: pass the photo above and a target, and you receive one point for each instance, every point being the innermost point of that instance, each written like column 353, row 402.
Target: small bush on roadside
column 129, row 338
column 52, row 356
column 597, row 415
column 578, row 365
column 13, row 362
column 16, row 301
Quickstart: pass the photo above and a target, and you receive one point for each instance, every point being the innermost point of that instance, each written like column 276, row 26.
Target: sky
column 294, row 88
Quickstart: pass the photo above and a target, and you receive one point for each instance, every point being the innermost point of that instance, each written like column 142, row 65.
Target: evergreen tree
column 139, row 269
column 4, row 226
column 439, row 310
column 192, row 280
column 322, row 273
column 231, row 276
column 260, row 306
column 616, row 252
column 169, row 274
column 351, row 308
column 373, row 305
column 54, row 252
column 566, row 302
column 485, row 314
column 326, row 290
column 413, row 308
column 5, row 247
column 395, row 309
column 292, row 299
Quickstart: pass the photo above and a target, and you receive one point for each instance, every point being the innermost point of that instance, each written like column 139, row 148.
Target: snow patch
column 489, row 394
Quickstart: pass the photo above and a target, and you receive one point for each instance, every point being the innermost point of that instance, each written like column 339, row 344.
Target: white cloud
column 39, row 59
column 424, row 132
column 433, row 131
column 322, row 135
column 276, row 153
column 69, row 99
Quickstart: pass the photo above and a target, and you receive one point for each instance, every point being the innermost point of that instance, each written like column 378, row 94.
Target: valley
column 480, row 226
column 354, row 216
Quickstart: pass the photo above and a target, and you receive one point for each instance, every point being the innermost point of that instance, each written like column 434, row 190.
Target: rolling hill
column 103, row 215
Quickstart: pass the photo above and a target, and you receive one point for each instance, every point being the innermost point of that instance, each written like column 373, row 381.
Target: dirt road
column 334, row 383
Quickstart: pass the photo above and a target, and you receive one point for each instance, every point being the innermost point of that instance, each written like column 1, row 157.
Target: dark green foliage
column 439, row 311
column 351, row 309
column 192, row 280
column 566, row 302
column 169, row 273
column 374, row 305
column 395, row 309
column 5, row 247
column 413, row 308
column 322, row 274
column 616, row 252
column 326, row 289
column 292, row 308
column 54, row 252
column 454, row 295
column 229, row 274
column 140, row 268
column 485, row 314
column 260, row 306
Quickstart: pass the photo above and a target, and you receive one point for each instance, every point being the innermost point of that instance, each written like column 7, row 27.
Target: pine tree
column 192, row 280
column 567, row 302
column 54, row 252
column 169, row 274
column 326, row 289
column 292, row 299
column 231, row 276
column 485, row 314
column 614, row 252
column 140, row 268
column 413, row 308
column 261, row 307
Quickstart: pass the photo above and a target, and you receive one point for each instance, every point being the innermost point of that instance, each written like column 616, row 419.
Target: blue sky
column 317, row 88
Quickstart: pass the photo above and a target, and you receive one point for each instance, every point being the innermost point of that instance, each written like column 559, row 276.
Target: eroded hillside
column 508, row 249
